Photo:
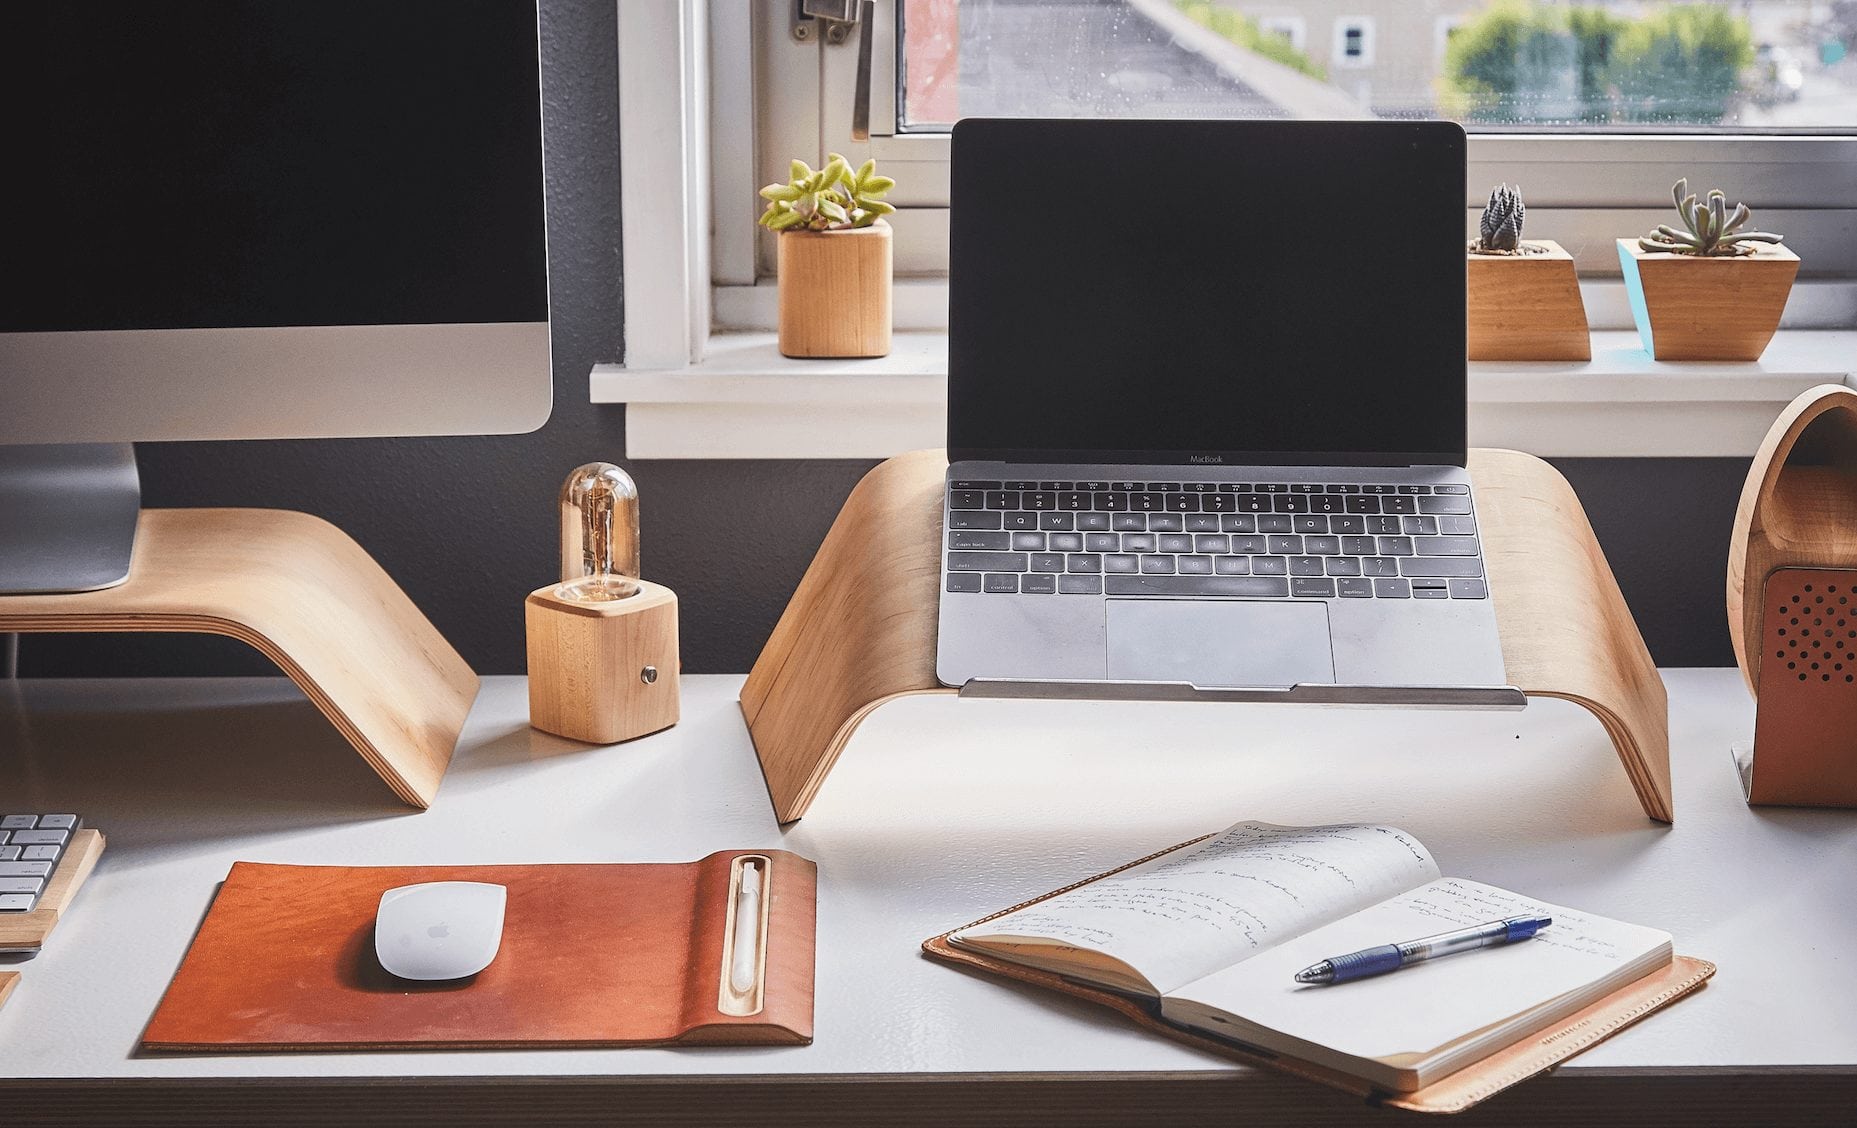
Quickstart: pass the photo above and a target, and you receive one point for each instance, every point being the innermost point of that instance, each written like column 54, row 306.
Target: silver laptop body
column 1183, row 462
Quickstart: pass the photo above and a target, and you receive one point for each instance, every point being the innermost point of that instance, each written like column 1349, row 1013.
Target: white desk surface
column 940, row 811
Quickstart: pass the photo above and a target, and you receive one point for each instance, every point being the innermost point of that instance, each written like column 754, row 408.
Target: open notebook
column 1212, row 934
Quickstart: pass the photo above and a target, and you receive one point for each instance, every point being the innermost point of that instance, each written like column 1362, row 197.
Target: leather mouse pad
column 591, row 955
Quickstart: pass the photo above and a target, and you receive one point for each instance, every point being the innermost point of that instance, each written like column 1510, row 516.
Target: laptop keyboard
column 1261, row 540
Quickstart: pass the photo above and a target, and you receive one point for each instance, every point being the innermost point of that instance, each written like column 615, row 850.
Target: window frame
column 712, row 106
column 805, row 94
column 703, row 379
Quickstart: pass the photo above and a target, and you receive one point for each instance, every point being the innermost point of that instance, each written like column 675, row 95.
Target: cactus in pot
column 1523, row 298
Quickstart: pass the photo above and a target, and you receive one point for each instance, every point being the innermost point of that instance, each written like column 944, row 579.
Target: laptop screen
column 1207, row 292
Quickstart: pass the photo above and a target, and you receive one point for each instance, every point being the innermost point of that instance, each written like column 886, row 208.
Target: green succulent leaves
column 1712, row 228
column 830, row 199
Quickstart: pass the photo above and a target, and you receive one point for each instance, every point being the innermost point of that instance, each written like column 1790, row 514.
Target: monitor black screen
column 193, row 165
column 1210, row 291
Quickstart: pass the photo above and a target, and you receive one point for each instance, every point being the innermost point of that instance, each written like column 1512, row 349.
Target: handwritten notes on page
column 1187, row 913
column 1420, row 1010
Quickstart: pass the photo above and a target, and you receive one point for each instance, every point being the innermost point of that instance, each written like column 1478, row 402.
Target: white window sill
column 745, row 400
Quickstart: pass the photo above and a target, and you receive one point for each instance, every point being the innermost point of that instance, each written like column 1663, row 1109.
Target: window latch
column 832, row 18
column 860, row 97
column 837, row 18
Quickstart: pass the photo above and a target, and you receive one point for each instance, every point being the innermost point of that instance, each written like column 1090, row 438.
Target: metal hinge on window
column 835, row 18
column 838, row 17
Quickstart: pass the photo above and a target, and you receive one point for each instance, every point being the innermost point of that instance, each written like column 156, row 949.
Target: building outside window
column 1354, row 42
column 1747, row 63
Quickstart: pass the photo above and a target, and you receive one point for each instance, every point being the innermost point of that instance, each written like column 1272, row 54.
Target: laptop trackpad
column 1219, row 642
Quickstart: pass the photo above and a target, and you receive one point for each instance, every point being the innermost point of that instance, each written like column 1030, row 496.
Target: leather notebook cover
column 1517, row 1062
column 592, row 955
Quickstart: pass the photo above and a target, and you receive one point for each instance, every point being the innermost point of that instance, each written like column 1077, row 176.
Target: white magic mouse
column 439, row 930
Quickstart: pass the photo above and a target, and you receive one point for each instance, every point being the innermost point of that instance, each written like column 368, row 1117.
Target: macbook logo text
column 1205, row 459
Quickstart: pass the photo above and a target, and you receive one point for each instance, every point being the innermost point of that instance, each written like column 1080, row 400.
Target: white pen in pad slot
column 744, row 938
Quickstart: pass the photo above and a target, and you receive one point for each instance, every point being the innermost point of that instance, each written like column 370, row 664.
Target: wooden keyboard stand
column 310, row 599
column 860, row 630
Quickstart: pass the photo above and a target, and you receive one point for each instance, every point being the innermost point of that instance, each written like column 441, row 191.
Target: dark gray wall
column 466, row 525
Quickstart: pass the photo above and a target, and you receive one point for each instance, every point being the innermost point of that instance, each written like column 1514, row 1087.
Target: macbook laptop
column 1206, row 400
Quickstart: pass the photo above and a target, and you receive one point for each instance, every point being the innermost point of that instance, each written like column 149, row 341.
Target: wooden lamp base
column 307, row 597
column 861, row 629
column 603, row 672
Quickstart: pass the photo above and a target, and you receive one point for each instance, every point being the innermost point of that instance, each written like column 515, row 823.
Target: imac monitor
column 256, row 220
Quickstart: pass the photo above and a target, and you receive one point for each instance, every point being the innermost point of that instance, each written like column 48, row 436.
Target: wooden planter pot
column 835, row 292
column 1526, row 307
column 1693, row 308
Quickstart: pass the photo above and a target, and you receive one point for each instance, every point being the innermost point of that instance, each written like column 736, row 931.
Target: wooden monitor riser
column 310, row 599
column 860, row 630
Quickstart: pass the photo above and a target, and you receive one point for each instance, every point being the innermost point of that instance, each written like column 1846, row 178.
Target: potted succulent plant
column 1523, row 296
column 1711, row 291
column 833, row 258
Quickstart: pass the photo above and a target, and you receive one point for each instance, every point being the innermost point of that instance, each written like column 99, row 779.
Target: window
column 1291, row 29
column 1595, row 107
column 714, row 96
column 1585, row 65
column 1447, row 28
column 1354, row 41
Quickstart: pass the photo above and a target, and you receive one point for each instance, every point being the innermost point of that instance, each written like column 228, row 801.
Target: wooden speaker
column 1792, row 604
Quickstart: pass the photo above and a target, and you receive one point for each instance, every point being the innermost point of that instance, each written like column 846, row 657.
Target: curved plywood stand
column 310, row 599
column 861, row 628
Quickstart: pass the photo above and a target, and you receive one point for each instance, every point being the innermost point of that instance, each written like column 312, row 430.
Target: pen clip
column 744, row 936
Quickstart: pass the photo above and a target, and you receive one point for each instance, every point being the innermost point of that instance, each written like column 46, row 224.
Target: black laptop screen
column 1207, row 291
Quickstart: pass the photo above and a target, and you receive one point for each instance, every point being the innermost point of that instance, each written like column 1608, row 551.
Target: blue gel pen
column 1392, row 957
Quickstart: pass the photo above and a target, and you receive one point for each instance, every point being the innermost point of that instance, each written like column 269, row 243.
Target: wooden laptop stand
column 308, row 598
column 860, row 630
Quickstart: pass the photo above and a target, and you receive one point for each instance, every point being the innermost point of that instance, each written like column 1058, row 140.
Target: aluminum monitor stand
column 67, row 516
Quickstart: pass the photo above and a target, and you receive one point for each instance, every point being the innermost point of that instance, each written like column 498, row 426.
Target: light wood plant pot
column 1689, row 307
column 835, row 292
column 1526, row 307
